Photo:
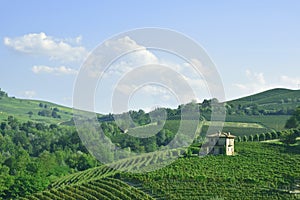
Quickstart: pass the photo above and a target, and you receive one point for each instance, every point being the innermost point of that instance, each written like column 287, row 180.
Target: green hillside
column 274, row 101
column 270, row 108
column 25, row 110
column 259, row 171
column 276, row 96
column 49, row 161
column 107, row 188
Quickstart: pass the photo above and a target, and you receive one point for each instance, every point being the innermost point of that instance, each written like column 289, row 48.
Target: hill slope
column 35, row 110
column 271, row 96
column 259, row 171
column 274, row 99
column 95, row 183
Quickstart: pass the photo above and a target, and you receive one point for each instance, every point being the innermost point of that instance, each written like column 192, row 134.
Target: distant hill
column 35, row 110
column 273, row 96
column 271, row 102
column 270, row 108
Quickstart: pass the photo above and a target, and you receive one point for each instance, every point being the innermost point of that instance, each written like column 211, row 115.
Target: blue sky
column 255, row 45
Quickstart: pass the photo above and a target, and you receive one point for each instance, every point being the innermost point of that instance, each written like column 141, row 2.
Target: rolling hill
column 274, row 96
column 250, row 174
column 283, row 101
column 24, row 110
column 259, row 171
column 280, row 100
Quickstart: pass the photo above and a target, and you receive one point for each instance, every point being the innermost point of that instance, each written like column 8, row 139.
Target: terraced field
column 100, row 182
column 106, row 188
column 96, row 183
column 258, row 171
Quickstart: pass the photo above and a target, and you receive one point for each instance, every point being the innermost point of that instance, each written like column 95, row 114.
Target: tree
column 2, row 93
column 294, row 121
column 288, row 137
column 85, row 162
column 205, row 103
column 45, row 113
column 161, row 137
column 5, row 179
column 268, row 136
column 3, row 126
column 251, row 138
column 274, row 134
column 239, row 139
column 54, row 114
column 12, row 122
column 30, row 113
column 256, row 137
column 263, row 137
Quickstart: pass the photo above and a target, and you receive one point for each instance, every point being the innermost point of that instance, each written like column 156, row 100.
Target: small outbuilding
column 219, row 143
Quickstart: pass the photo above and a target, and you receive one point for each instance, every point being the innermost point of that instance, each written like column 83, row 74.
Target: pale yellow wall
column 229, row 146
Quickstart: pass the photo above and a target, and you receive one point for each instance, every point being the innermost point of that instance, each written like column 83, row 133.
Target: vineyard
column 258, row 171
column 239, row 126
column 276, row 122
column 99, row 182
column 90, row 174
column 106, row 188
column 163, row 166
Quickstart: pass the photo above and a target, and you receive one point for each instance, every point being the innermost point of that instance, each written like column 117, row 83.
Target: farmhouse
column 219, row 143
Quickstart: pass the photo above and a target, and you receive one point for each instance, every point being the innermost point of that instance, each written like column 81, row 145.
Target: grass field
column 235, row 128
column 236, row 124
column 274, row 96
column 276, row 122
column 19, row 108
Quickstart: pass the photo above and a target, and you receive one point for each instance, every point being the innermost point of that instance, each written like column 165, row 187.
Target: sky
column 255, row 45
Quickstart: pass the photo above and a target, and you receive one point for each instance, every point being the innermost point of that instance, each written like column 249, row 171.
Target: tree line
column 287, row 136
column 34, row 154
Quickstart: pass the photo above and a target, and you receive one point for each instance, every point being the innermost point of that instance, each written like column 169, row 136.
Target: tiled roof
column 221, row 135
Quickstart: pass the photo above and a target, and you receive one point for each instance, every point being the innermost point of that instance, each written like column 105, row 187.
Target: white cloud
column 256, row 77
column 75, row 41
column 129, row 55
column 140, row 54
column 29, row 93
column 157, row 91
column 62, row 70
column 292, row 82
column 255, row 83
column 42, row 44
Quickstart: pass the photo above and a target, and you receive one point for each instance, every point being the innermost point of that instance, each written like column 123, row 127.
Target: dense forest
column 34, row 154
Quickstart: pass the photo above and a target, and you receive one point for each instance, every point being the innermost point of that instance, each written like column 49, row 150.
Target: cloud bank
column 54, row 48
column 62, row 70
